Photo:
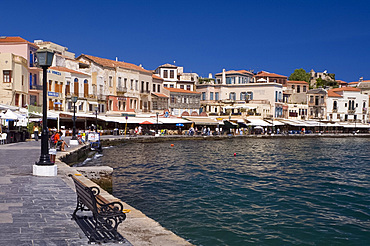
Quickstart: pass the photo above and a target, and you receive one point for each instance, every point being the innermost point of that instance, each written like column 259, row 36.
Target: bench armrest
column 111, row 207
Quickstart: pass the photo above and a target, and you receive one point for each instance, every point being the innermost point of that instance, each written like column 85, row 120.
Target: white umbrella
column 9, row 115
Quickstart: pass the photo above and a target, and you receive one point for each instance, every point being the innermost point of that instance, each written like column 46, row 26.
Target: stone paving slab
column 34, row 210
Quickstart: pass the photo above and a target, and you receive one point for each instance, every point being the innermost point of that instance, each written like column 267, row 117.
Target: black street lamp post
column 157, row 123
column 96, row 119
column 44, row 59
column 74, row 100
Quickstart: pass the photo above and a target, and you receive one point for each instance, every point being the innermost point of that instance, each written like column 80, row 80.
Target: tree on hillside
column 299, row 75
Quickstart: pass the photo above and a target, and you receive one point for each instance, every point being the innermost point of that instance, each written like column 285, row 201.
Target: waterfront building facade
column 174, row 77
column 13, row 80
column 347, row 104
column 125, row 86
column 316, row 100
column 181, row 101
column 233, row 92
column 23, row 48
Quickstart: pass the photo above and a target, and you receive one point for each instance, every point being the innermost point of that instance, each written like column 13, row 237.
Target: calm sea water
column 273, row 192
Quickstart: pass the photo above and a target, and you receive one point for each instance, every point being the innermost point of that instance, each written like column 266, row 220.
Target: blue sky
column 205, row 36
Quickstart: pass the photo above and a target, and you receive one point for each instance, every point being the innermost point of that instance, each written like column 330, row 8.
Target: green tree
column 299, row 75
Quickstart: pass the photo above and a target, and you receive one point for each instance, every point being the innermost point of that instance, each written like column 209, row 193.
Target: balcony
column 121, row 89
column 335, row 110
column 145, row 92
column 102, row 97
column 36, row 87
column 352, row 111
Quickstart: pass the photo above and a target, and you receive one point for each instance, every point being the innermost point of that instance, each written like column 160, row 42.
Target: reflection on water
column 273, row 192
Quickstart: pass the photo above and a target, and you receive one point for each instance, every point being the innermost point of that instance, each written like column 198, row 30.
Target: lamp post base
column 43, row 170
column 73, row 142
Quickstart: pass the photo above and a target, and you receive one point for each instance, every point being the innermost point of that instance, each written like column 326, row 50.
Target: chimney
column 223, row 81
column 210, row 75
column 361, row 79
column 116, row 58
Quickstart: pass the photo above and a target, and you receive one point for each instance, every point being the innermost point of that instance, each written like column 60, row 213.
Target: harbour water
column 313, row 191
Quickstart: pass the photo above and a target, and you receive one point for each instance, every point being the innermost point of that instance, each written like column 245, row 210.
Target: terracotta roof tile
column 181, row 90
column 113, row 64
column 156, row 77
column 346, row 89
column 168, row 65
column 353, row 83
column 64, row 69
column 331, row 93
column 297, row 82
column 160, row 95
column 267, row 74
column 16, row 40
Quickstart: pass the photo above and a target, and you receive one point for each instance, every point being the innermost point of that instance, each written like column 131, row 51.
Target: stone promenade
column 34, row 210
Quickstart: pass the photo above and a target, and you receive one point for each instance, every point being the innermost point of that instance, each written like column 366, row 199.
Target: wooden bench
column 106, row 215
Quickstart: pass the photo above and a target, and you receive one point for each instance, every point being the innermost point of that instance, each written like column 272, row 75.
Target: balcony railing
column 351, row 111
column 36, row 87
column 145, row 91
column 121, row 89
column 335, row 110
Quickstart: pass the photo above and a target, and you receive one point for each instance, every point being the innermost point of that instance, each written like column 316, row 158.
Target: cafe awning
column 203, row 121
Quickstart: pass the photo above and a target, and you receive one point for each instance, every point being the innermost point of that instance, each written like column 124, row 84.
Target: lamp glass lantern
column 44, row 57
column 74, row 99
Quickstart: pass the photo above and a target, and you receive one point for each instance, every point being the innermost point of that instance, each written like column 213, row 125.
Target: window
column 298, row 89
column 7, row 76
column 136, row 85
column 86, row 88
column 147, row 86
column 188, row 87
column 171, row 86
column 50, row 85
column 165, row 85
column 203, row 96
column 249, row 95
column 211, row 96
column 311, row 99
column 293, row 87
column 216, row 96
column 172, row 74
column 132, row 84
column 232, row 96
column 110, row 81
column 119, row 82
column 154, row 87
column 165, row 73
column 125, row 83
column 182, row 87
column 159, row 88
column 243, row 96
column 75, row 87
column 22, row 80
column 304, row 88
column 67, row 89
column 335, row 105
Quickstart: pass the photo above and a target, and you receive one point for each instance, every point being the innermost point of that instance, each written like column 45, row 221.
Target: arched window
column 76, row 80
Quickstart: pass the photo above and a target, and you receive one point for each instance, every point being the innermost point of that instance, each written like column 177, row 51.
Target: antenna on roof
column 174, row 62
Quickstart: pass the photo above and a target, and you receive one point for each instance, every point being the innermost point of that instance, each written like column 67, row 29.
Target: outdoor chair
column 3, row 138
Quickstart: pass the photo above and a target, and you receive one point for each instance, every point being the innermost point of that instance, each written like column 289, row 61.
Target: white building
column 347, row 104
